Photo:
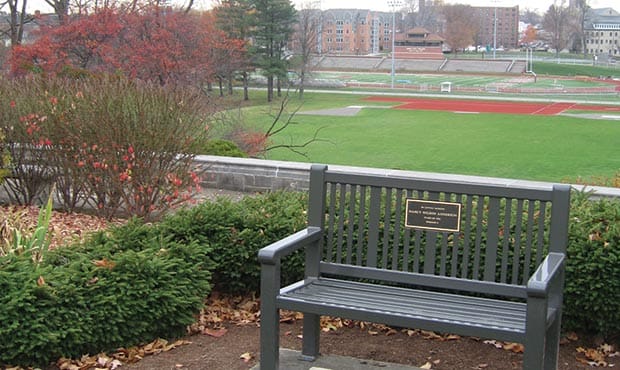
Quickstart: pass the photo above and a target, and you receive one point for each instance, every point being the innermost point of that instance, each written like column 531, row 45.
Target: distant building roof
column 418, row 36
column 602, row 18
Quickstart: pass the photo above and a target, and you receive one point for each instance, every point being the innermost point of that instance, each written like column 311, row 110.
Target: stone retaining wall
column 256, row 175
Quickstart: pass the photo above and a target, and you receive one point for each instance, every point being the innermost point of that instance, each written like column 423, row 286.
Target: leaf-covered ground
column 226, row 334
column 64, row 227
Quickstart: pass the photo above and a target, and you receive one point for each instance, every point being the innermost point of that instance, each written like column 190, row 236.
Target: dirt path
column 207, row 352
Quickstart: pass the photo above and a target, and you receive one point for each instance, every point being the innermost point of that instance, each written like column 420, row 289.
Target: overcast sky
column 538, row 5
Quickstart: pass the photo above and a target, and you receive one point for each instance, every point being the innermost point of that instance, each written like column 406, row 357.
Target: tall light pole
column 393, row 4
column 495, row 31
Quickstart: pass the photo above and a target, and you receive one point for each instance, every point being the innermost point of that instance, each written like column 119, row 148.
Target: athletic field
column 511, row 139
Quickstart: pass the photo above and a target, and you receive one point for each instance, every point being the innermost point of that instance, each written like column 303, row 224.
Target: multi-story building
column 602, row 31
column 355, row 31
column 498, row 26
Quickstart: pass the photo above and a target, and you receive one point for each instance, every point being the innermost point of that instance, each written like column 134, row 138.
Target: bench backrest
column 493, row 242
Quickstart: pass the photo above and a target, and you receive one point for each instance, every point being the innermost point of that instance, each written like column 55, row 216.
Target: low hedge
column 104, row 294
column 591, row 295
column 237, row 230
column 219, row 147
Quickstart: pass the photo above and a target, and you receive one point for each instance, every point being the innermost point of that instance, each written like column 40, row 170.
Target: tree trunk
column 302, row 79
column 269, row 88
column 221, row 85
column 230, row 83
column 279, row 84
column 246, row 96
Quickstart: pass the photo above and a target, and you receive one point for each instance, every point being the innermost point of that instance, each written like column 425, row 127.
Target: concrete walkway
column 289, row 360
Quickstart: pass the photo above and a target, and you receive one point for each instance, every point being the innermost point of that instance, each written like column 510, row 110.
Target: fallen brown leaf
column 592, row 357
column 606, row 348
column 216, row 333
column 572, row 336
column 430, row 334
column 104, row 263
column 246, row 357
column 115, row 364
column 451, row 337
column 67, row 365
column 494, row 343
column 514, row 347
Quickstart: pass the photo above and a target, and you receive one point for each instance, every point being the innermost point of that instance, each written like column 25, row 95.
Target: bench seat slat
column 435, row 281
column 429, row 306
column 420, row 309
column 400, row 293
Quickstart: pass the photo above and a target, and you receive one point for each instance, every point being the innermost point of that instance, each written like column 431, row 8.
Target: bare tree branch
column 273, row 128
column 16, row 21
column 277, row 127
column 295, row 147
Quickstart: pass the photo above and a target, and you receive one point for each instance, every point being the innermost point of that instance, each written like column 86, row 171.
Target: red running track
column 488, row 106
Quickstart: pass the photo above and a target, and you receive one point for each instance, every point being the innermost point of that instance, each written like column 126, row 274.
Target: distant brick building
column 354, row 31
column 506, row 32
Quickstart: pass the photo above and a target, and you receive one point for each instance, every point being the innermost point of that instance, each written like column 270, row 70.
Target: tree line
column 154, row 42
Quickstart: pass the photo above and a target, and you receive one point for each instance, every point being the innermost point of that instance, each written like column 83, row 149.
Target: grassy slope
column 513, row 146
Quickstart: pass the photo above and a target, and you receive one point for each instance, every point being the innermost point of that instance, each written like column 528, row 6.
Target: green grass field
column 548, row 148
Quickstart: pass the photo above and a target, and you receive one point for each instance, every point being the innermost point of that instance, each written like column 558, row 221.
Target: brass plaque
column 431, row 215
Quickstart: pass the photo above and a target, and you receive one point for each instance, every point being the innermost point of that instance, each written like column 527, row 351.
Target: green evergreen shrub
column 218, row 147
column 591, row 295
column 100, row 295
column 237, row 230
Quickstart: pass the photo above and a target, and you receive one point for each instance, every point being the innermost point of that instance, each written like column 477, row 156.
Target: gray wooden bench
column 469, row 259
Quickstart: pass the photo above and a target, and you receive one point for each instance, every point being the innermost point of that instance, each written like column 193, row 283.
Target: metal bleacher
column 477, row 65
column 382, row 63
column 425, row 65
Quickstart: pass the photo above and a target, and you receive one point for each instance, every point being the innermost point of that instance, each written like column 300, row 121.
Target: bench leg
column 269, row 319
column 311, row 335
column 552, row 346
column 534, row 355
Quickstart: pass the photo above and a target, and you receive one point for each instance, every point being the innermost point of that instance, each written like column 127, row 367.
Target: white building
column 602, row 31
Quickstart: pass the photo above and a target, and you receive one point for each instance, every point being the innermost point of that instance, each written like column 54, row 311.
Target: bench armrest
column 542, row 280
column 272, row 253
